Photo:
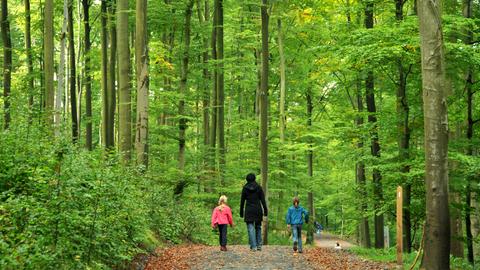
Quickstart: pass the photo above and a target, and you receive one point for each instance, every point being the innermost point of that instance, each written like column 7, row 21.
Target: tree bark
column 61, row 71
column 213, row 99
column 264, row 110
column 111, row 78
column 141, row 58
column 7, row 63
column 72, row 63
column 360, row 174
column 467, row 13
column 88, row 77
column 437, row 230
column 182, row 122
column 48, row 61
column 403, row 138
column 28, row 49
column 124, row 90
column 281, row 53
column 221, row 93
column 104, row 82
column 375, row 146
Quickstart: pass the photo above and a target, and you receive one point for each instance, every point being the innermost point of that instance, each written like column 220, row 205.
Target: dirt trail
column 197, row 257
column 326, row 240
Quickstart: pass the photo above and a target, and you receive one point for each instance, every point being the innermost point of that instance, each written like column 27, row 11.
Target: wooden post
column 399, row 225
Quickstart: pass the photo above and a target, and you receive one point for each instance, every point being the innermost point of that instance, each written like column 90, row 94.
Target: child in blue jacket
column 295, row 216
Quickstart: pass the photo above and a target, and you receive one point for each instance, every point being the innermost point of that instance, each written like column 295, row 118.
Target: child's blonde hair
column 223, row 199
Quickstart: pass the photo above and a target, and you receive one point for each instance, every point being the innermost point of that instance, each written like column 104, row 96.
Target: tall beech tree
column 48, row 49
column 28, row 49
column 111, row 77
column 141, row 58
column 124, row 87
column 104, row 72
column 182, row 121
column 434, row 84
column 375, row 146
column 88, row 76
column 7, row 63
column 220, row 91
column 403, row 128
column 264, row 110
column 73, row 72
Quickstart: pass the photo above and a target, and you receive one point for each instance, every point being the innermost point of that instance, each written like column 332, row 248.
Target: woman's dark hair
column 250, row 177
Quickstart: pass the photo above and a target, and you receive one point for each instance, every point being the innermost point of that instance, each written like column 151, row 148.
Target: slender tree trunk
column 61, row 71
column 375, row 146
column 104, row 50
column 88, row 77
column 437, row 227
column 467, row 13
column 141, row 58
column 264, row 110
column 71, row 55
column 28, row 49
column 360, row 174
column 7, row 63
column 213, row 100
column 309, row 127
column 220, row 92
column 124, row 92
column 182, row 122
column 48, row 60
column 111, row 78
column 282, row 83
column 403, row 138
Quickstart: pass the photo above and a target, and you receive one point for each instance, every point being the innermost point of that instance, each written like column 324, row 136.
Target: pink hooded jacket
column 222, row 215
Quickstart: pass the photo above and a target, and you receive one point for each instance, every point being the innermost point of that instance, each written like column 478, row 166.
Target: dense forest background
column 123, row 121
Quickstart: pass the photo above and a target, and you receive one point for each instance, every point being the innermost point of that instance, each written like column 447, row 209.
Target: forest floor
column 239, row 257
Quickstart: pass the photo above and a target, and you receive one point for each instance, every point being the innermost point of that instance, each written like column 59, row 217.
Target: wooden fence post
column 399, row 225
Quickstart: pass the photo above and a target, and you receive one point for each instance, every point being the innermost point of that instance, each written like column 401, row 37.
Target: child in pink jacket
column 221, row 217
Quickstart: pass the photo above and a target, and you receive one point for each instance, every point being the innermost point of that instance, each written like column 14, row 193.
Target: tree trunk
column 213, row 100
column 141, row 58
column 182, row 122
column 375, row 146
column 220, row 93
column 403, row 139
column 61, row 71
column 360, row 175
column 437, row 227
column 28, row 49
column 264, row 111
column 467, row 13
column 282, row 83
column 88, row 77
column 48, row 60
column 72, row 63
column 309, row 127
column 124, row 91
column 104, row 82
column 7, row 63
column 111, row 78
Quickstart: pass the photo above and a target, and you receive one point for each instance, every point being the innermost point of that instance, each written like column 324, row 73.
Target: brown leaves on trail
column 200, row 257
column 173, row 258
column 331, row 259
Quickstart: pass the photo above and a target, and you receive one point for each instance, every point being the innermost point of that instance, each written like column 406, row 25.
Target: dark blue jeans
column 297, row 235
column 254, row 234
column 222, row 231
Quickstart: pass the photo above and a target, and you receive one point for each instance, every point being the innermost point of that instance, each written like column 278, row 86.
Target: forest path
column 239, row 257
column 327, row 240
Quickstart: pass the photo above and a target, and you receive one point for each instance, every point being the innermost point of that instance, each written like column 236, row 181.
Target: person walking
column 295, row 216
column 253, row 207
column 221, row 218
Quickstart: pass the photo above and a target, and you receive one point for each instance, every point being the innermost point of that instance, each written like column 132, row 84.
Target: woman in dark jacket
column 254, row 197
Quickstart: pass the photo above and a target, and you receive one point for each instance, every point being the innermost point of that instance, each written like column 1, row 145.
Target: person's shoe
column 295, row 246
column 259, row 248
column 253, row 249
column 300, row 251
